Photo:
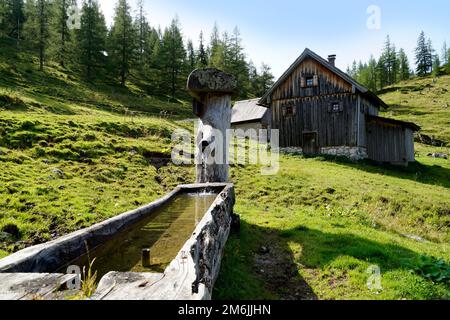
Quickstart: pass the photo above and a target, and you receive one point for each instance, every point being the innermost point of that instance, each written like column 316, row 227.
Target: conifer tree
column 122, row 41
column 202, row 56
column 61, row 35
column 172, row 57
column 91, row 38
column 37, row 27
column 191, row 57
column 14, row 19
column 424, row 56
column 404, row 72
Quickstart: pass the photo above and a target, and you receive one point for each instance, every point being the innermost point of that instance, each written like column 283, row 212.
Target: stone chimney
column 332, row 59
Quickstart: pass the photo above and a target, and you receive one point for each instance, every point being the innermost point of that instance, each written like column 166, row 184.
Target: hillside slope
column 423, row 101
column 74, row 153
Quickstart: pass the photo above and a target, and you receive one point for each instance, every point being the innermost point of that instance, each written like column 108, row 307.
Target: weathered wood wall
column 389, row 143
column 326, row 82
column 314, row 115
column 313, row 109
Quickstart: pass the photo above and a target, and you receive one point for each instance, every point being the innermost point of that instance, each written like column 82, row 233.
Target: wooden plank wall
column 328, row 82
column 312, row 115
column 366, row 108
column 386, row 142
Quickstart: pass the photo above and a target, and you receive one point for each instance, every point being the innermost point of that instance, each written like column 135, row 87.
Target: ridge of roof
column 307, row 53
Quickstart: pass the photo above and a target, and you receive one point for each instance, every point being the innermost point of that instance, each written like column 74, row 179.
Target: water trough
column 185, row 231
column 170, row 249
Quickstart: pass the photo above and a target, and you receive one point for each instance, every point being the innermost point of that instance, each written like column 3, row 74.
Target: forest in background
column 78, row 38
column 394, row 66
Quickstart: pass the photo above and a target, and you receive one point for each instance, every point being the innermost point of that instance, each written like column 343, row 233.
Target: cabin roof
column 310, row 54
column 409, row 125
column 247, row 111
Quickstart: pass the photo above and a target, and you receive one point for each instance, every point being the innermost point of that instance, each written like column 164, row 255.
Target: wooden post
column 212, row 90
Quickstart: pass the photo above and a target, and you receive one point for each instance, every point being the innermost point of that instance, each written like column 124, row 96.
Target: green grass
column 74, row 153
column 423, row 101
column 326, row 222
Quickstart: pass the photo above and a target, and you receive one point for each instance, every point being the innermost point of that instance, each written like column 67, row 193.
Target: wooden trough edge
column 190, row 276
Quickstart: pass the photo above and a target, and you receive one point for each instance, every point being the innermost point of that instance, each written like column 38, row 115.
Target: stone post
column 212, row 90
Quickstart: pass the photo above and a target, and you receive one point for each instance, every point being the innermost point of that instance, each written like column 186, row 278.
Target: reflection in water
column 164, row 233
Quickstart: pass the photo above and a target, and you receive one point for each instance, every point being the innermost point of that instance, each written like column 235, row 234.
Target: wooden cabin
column 248, row 114
column 319, row 109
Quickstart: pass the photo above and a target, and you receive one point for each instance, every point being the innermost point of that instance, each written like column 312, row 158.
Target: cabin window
column 289, row 111
column 336, row 107
column 310, row 81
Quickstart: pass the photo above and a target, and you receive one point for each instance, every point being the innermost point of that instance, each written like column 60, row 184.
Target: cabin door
column 310, row 145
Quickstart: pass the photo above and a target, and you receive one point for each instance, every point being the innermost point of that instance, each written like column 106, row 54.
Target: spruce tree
column 172, row 57
column 267, row 79
column 191, row 57
column 61, row 34
column 436, row 66
column 144, row 36
column 404, row 72
column 14, row 19
column 202, row 56
column 424, row 56
column 122, row 41
column 91, row 38
column 37, row 27
column 3, row 17
column 237, row 64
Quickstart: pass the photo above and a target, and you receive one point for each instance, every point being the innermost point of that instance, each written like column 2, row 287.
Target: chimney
column 332, row 59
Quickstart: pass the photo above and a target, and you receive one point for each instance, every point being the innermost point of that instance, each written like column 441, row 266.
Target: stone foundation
column 353, row 153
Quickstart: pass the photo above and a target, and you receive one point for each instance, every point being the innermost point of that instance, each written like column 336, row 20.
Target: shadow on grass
column 241, row 277
column 432, row 175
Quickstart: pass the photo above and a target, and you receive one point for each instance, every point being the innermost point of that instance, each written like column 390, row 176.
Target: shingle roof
column 247, row 111
column 310, row 54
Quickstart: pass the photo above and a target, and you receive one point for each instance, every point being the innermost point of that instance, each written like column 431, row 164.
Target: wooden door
column 310, row 143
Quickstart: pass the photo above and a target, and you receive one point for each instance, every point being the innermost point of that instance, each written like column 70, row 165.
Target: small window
column 310, row 81
column 289, row 111
column 336, row 107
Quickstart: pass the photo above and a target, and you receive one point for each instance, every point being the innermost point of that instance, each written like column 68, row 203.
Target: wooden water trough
column 123, row 244
column 37, row 272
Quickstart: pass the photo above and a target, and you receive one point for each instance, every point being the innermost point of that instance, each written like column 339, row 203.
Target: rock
column 413, row 237
column 43, row 144
column 12, row 230
column 264, row 250
column 59, row 173
column 438, row 156
column 4, row 236
column 46, row 161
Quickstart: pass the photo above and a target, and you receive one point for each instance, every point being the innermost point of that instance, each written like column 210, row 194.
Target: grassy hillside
column 423, row 101
column 74, row 153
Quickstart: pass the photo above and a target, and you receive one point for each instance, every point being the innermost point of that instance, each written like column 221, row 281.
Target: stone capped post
column 212, row 90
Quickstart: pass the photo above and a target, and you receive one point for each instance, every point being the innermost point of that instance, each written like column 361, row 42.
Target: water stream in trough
column 162, row 235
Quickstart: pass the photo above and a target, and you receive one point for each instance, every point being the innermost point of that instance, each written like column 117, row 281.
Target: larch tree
column 91, row 38
column 61, row 34
column 14, row 19
column 172, row 56
column 122, row 41
column 37, row 27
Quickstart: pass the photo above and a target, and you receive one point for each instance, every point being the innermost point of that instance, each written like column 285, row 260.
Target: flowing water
column 163, row 234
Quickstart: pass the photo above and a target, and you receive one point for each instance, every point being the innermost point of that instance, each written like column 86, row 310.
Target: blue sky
column 277, row 31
